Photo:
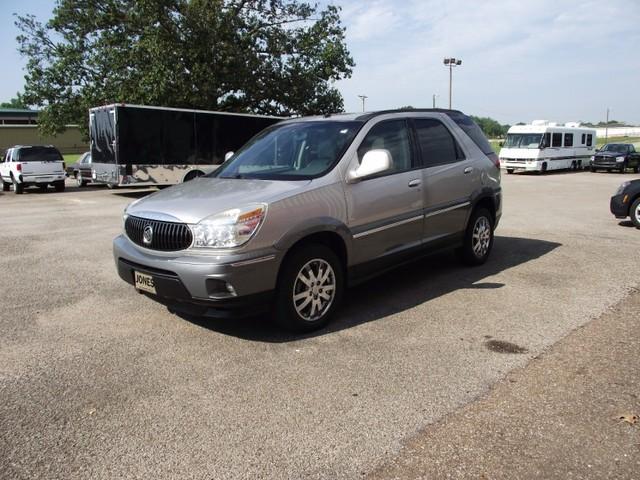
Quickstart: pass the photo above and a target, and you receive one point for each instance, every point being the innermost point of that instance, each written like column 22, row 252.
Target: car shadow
column 395, row 291
column 626, row 223
column 135, row 193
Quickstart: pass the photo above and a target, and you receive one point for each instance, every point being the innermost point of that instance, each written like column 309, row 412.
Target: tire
column 592, row 169
column 43, row 187
column 544, row 167
column 79, row 181
column 59, row 186
column 18, row 188
column 623, row 168
column 509, row 170
column 304, row 307
column 478, row 239
column 574, row 166
column 634, row 212
column 636, row 169
column 112, row 186
column 192, row 174
column 6, row 186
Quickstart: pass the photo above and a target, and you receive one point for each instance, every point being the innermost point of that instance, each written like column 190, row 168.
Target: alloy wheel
column 314, row 289
column 481, row 237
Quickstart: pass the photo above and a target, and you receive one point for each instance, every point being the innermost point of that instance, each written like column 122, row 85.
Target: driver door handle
column 415, row 182
column 468, row 170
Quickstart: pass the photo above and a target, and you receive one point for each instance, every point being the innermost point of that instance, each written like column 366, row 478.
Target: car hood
column 197, row 199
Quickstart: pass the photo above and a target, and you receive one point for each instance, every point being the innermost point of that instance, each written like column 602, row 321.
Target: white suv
column 25, row 166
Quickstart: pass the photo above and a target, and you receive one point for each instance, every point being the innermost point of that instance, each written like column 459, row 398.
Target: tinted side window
column 546, row 142
column 583, row 138
column 474, row 132
column 568, row 139
column 557, row 140
column 392, row 135
column 436, row 142
column 589, row 140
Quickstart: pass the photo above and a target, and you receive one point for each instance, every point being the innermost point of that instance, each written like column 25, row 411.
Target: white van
column 543, row 146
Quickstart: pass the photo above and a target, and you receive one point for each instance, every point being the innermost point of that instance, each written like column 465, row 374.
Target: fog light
column 220, row 288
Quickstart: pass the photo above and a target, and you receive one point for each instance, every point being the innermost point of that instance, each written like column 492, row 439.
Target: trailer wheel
column 509, row 170
column 544, row 167
column 193, row 174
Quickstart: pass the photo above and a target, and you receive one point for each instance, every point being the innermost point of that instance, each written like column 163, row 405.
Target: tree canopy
column 490, row 127
column 15, row 102
column 275, row 57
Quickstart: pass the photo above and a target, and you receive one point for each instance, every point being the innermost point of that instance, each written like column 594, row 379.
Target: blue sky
column 561, row 60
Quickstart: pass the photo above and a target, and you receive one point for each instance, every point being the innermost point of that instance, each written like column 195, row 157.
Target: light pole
column 606, row 128
column 434, row 99
column 363, row 98
column 451, row 62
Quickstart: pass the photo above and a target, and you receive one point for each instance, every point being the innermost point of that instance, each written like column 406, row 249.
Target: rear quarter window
column 472, row 130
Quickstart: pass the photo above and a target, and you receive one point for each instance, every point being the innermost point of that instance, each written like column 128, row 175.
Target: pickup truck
column 616, row 156
column 33, row 165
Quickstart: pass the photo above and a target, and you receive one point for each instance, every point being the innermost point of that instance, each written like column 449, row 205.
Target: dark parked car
column 616, row 156
column 81, row 170
column 626, row 202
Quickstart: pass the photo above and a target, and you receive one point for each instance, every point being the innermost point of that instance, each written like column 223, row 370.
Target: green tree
column 276, row 57
column 15, row 102
column 490, row 127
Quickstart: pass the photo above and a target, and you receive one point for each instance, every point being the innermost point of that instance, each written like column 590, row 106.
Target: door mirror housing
column 373, row 162
column 228, row 155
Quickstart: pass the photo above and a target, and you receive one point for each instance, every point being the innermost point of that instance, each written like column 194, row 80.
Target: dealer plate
column 144, row 282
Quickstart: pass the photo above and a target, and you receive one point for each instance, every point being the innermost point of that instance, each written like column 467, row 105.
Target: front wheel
column 79, row 181
column 634, row 212
column 309, row 289
column 478, row 239
column 623, row 167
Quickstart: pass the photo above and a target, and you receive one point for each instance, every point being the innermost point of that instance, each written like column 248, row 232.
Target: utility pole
column 606, row 128
column 434, row 100
column 451, row 62
column 363, row 98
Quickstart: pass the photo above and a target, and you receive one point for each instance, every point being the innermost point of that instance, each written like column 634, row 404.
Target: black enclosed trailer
column 142, row 145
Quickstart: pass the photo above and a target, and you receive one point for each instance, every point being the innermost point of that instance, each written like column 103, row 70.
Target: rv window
column 557, row 140
column 589, row 140
column 583, row 138
column 568, row 139
column 523, row 140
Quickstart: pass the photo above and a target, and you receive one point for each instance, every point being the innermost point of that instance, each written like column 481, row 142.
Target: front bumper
column 191, row 284
column 618, row 207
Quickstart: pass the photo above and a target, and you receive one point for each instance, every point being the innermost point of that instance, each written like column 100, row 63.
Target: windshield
column 615, row 147
column 294, row 151
column 39, row 154
column 523, row 140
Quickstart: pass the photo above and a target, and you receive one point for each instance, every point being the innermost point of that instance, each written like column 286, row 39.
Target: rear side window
column 392, row 135
column 589, row 140
column 472, row 130
column 437, row 145
column 584, row 137
column 568, row 139
column 556, row 140
column 39, row 154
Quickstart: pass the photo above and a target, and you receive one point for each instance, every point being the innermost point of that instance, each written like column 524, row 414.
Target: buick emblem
column 147, row 235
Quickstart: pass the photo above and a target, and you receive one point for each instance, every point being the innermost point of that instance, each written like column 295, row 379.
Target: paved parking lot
column 97, row 381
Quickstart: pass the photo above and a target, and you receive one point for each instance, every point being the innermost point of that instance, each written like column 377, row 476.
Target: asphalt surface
column 97, row 381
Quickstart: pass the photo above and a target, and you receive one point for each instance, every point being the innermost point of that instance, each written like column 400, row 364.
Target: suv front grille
column 165, row 236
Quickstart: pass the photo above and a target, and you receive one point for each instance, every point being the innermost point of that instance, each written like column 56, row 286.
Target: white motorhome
column 543, row 146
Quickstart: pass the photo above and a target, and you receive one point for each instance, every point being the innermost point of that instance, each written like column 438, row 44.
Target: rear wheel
column 634, row 212
column 6, row 186
column 59, row 186
column 544, row 167
column 309, row 288
column 18, row 188
column 478, row 239
column 636, row 169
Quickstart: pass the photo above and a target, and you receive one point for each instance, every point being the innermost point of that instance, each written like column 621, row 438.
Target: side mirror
column 373, row 162
column 228, row 155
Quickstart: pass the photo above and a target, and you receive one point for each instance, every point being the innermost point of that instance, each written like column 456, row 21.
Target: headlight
column 229, row 229
column 619, row 159
column 593, row 158
column 622, row 187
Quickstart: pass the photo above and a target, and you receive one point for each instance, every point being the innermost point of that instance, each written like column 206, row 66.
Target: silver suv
column 309, row 206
